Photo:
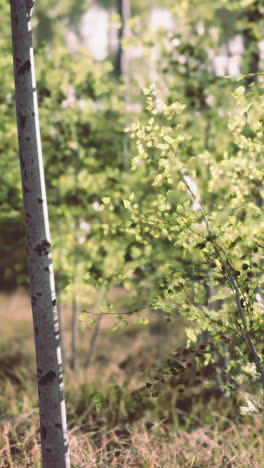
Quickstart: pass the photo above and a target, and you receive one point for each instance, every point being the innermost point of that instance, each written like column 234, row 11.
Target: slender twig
column 110, row 313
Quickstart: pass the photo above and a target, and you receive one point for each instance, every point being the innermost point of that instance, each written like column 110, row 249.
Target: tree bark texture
column 55, row 452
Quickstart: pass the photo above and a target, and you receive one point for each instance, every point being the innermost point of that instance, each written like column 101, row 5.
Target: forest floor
column 200, row 428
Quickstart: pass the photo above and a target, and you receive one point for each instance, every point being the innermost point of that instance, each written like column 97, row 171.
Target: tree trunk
column 55, row 453
column 74, row 322
column 74, row 327
column 252, row 52
column 123, row 9
column 121, row 65
column 93, row 340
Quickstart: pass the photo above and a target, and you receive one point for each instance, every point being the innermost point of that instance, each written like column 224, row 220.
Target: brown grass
column 141, row 446
column 195, row 430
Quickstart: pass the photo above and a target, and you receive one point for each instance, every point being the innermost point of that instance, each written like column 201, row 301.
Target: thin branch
column 110, row 313
column 235, row 287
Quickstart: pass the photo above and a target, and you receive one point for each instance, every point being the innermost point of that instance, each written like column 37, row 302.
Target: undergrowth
column 199, row 427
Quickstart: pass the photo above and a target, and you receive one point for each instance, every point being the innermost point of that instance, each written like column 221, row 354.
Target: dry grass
column 141, row 446
column 195, row 430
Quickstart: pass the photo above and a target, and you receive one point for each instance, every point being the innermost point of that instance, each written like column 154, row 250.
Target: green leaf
column 116, row 388
column 115, row 326
column 98, row 407
column 104, row 308
column 106, row 200
column 83, row 316
column 97, row 398
column 240, row 91
column 191, row 335
column 180, row 209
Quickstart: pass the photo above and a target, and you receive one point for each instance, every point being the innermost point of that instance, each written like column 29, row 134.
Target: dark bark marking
column 28, row 215
column 33, row 114
column 58, row 425
column 42, row 248
column 26, row 189
column 54, row 302
column 27, row 138
column 47, row 378
column 36, row 330
column 46, row 269
column 23, row 164
column 34, row 300
column 22, row 121
column 39, row 294
column 24, row 68
column 43, row 430
column 40, row 200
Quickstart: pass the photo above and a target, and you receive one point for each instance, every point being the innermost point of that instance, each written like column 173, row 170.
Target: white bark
column 55, row 453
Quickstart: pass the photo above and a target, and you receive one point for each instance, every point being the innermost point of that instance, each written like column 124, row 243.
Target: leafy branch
column 233, row 283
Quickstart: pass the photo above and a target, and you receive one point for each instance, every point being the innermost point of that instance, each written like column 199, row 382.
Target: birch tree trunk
column 55, row 453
